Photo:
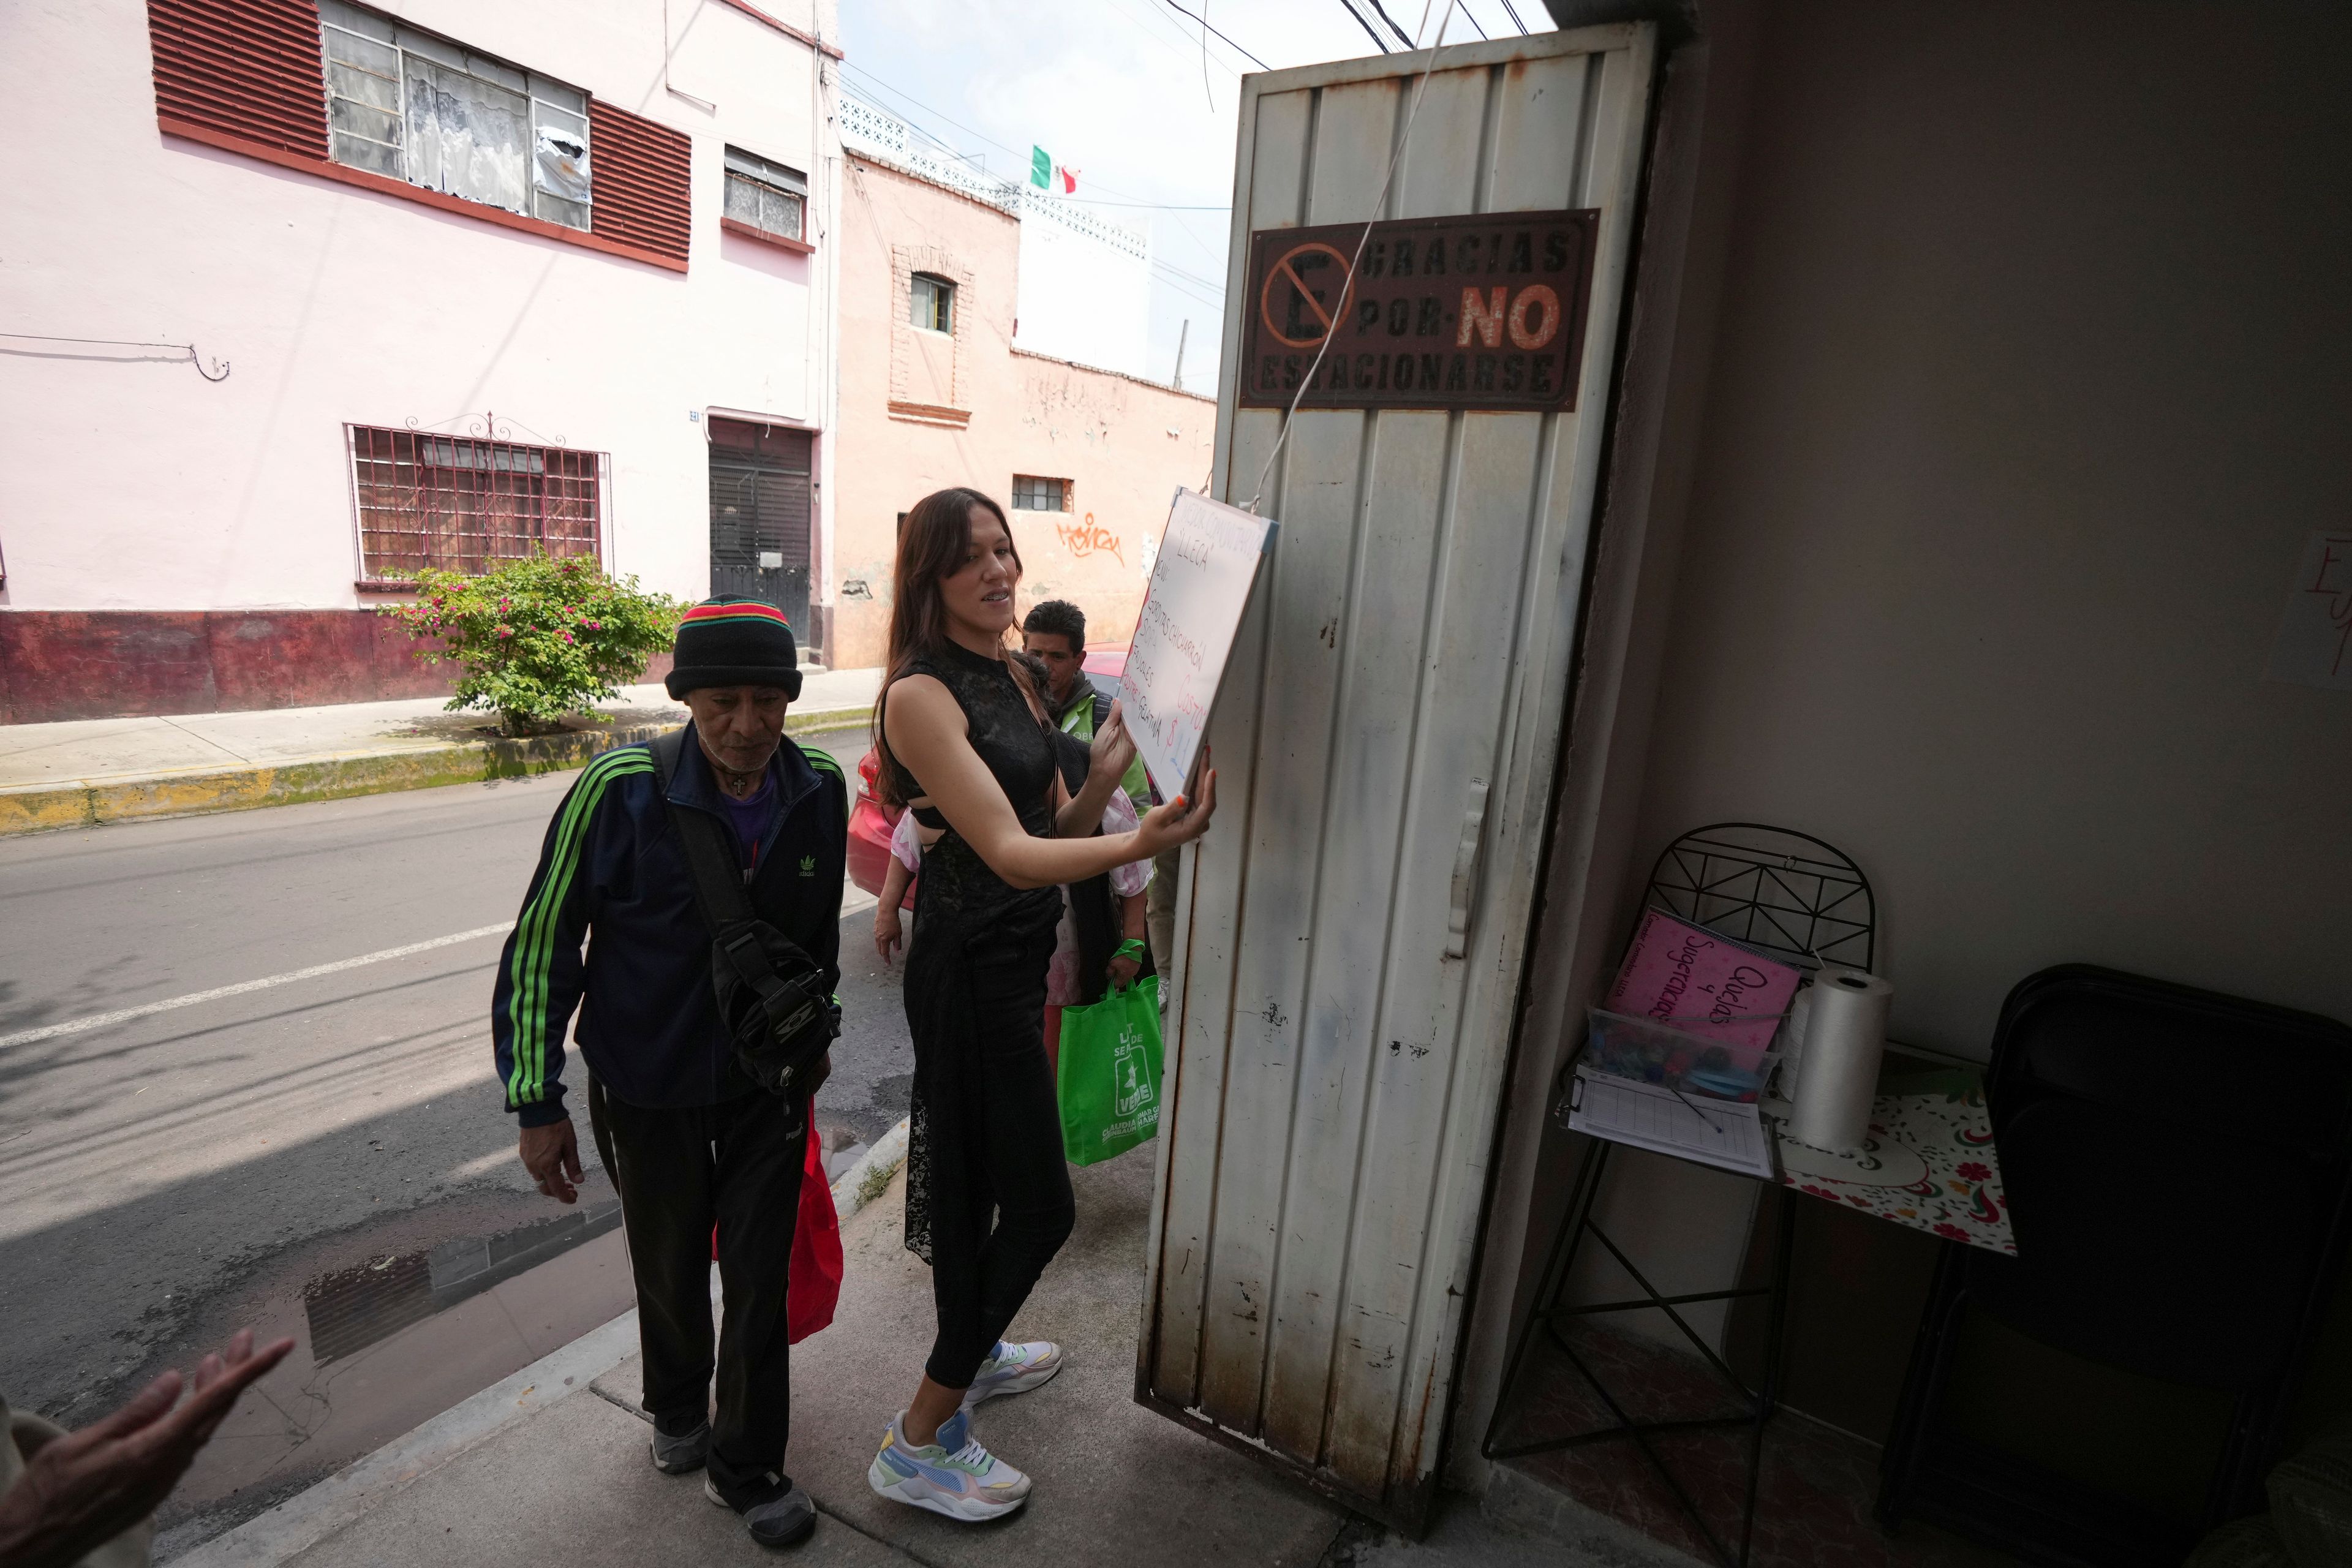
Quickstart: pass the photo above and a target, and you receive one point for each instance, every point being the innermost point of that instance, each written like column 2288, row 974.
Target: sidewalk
column 552, row 1466
column 86, row 772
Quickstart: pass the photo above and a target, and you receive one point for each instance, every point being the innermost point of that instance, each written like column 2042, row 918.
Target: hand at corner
column 86, row 1487
column 551, row 1155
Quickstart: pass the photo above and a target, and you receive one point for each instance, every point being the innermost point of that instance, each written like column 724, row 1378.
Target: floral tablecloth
column 1928, row 1161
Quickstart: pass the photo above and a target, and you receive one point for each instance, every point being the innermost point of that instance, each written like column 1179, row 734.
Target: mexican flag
column 1044, row 174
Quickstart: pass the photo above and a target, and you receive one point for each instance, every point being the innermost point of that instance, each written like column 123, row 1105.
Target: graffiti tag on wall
column 1087, row 538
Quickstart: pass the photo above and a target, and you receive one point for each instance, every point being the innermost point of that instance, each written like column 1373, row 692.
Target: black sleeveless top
column 1018, row 749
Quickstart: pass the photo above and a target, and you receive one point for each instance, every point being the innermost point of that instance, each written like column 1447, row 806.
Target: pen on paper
column 1695, row 1110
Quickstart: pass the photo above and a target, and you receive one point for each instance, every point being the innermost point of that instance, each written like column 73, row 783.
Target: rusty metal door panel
column 1350, row 936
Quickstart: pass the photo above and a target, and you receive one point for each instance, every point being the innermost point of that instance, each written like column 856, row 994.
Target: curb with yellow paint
column 41, row 810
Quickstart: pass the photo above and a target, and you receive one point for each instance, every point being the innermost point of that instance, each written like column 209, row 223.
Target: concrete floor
column 171, row 1177
column 1115, row 1483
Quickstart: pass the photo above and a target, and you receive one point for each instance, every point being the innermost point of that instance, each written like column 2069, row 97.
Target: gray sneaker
column 676, row 1455
column 786, row 1518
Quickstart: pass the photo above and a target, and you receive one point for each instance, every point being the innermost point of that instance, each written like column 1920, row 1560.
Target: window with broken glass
column 416, row 107
column 770, row 197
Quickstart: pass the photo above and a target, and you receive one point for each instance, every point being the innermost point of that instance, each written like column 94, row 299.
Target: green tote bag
column 1109, row 1078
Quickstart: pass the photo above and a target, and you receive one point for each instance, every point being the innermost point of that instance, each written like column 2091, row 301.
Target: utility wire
column 1163, row 19
column 195, row 358
column 1378, row 42
column 1348, row 277
column 1204, row 22
column 1514, row 15
column 908, row 98
column 1402, row 37
column 1205, row 91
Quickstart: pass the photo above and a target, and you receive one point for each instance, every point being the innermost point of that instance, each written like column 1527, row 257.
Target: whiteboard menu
column 1200, row 580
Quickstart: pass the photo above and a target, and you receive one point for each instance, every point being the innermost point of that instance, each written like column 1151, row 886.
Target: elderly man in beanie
column 689, row 1139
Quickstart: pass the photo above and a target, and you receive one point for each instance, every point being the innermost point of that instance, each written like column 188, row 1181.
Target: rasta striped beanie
column 735, row 642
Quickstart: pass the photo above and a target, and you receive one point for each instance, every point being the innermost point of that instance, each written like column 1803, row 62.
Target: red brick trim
column 345, row 175
column 737, row 225
column 787, row 29
column 929, row 413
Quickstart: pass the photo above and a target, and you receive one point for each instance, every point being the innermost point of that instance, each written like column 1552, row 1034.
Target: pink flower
column 1976, row 1171
column 505, row 631
column 595, row 625
column 569, row 637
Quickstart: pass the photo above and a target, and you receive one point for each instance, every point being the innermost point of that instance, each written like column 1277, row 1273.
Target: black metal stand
column 1550, row 1313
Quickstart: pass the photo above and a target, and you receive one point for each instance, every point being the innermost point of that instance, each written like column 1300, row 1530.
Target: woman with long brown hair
column 965, row 745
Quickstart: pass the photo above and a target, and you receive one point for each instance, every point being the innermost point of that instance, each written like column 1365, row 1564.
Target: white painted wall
column 1082, row 298
column 136, row 485
column 2035, row 369
column 2028, row 377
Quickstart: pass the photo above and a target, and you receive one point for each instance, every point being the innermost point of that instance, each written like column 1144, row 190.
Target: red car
column 871, row 823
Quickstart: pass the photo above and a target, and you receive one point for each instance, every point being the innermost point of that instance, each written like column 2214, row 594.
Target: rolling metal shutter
column 760, row 516
column 244, row 67
column 641, row 171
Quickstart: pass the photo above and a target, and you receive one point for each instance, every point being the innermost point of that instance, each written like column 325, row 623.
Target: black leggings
column 1011, row 1126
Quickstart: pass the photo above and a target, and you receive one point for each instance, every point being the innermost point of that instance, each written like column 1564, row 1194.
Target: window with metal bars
column 417, row 107
column 1031, row 493
column 462, row 504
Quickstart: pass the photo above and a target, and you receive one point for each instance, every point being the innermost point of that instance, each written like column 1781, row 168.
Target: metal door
column 1352, row 929
column 760, row 516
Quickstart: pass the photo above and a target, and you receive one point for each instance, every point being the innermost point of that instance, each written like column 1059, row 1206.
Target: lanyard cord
column 1349, row 282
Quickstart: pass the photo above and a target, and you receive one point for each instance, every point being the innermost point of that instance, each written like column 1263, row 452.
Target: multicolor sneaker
column 954, row 1476
column 1013, row 1368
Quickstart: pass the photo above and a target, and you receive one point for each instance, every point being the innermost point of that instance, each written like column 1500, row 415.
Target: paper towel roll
column 1844, row 1036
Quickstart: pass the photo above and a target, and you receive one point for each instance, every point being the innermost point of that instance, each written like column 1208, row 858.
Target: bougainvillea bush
column 537, row 637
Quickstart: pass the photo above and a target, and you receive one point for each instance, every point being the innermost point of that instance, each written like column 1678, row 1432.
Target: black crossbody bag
column 771, row 993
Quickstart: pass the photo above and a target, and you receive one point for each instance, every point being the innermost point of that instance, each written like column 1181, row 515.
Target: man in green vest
column 1054, row 634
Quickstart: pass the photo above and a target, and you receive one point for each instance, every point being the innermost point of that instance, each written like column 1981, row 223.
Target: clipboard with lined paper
column 1724, row 1133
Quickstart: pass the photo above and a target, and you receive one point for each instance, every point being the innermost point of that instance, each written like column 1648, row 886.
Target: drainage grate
column 354, row 1307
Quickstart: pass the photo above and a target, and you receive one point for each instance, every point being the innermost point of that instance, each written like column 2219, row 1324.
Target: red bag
column 814, row 1288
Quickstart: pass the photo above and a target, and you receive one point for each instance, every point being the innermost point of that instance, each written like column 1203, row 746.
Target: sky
column 1131, row 95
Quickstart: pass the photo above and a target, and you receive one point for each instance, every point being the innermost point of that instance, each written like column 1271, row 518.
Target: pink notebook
column 1698, row 981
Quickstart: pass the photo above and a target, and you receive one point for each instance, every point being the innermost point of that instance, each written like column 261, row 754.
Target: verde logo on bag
column 1131, row 1073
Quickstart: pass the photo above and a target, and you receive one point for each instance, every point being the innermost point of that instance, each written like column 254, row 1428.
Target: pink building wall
column 920, row 413
column 134, row 485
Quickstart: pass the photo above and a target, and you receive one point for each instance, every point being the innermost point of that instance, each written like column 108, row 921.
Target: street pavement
column 267, row 1154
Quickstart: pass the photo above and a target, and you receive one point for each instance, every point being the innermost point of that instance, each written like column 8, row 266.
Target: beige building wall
column 921, row 411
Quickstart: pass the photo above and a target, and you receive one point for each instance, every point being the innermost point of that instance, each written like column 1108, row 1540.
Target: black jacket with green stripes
column 613, row 874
